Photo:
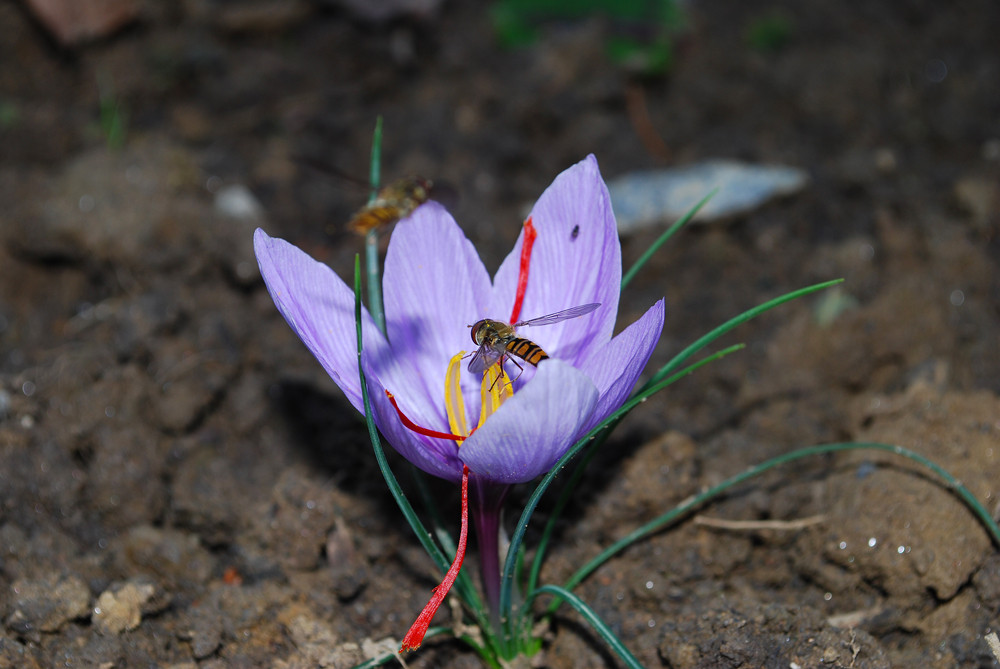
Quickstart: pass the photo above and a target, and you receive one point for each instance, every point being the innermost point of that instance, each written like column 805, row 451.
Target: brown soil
column 181, row 485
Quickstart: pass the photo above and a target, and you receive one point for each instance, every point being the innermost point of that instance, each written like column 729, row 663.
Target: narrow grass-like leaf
column 565, row 495
column 506, row 581
column 747, row 315
column 566, row 491
column 463, row 587
column 594, row 621
column 645, row 257
column 670, row 366
column 375, row 166
column 609, row 424
column 655, row 384
column 113, row 115
column 443, row 537
column 372, row 266
column 390, row 479
column 697, row 500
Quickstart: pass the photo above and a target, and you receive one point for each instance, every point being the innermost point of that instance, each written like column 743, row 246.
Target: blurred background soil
column 182, row 486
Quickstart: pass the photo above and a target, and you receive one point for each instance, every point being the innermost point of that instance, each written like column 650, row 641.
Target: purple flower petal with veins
column 435, row 286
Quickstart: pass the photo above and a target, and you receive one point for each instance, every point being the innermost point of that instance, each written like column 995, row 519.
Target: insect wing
column 565, row 314
column 484, row 358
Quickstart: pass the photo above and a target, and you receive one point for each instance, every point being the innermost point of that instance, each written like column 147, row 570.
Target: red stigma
column 415, row 636
column 410, row 425
column 522, row 278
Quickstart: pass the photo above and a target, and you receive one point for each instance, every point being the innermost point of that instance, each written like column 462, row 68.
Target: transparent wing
column 565, row 314
column 484, row 357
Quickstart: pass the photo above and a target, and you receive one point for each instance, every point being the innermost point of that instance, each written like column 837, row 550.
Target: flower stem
column 486, row 502
column 373, row 272
column 372, row 266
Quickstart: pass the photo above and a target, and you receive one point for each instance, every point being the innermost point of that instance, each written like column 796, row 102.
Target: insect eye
column 475, row 332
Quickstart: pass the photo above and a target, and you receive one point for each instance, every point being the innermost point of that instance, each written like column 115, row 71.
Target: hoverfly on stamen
column 497, row 340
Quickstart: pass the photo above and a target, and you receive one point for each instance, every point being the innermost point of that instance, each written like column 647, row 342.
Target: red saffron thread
column 522, row 278
column 415, row 636
column 416, row 428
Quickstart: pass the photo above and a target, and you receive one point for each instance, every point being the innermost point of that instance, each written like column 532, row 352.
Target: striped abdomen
column 374, row 216
column 526, row 350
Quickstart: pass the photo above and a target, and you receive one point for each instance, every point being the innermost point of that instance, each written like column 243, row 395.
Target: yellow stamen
column 496, row 388
column 453, row 403
column 494, row 391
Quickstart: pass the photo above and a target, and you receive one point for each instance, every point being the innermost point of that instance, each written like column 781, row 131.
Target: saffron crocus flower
column 435, row 286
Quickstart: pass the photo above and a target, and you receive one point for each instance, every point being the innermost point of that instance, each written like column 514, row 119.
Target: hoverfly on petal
column 497, row 340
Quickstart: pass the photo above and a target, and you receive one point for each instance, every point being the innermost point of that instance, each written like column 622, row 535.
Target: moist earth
column 182, row 486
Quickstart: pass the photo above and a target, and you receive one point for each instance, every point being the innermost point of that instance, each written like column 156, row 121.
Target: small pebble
column 645, row 199
column 48, row 603
column 119, row 608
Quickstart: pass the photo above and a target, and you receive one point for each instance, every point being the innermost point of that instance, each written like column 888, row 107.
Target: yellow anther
column 494, row 391
column 453, row 402
column 496, row 388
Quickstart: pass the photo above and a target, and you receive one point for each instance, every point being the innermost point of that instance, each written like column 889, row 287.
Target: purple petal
column 435, row 456
column 615, row 367
column 435, row 287
column 319, row 307
column 534, row 428
column 568, row 270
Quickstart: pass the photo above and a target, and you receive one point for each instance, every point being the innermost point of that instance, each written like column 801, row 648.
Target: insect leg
column 511, row 358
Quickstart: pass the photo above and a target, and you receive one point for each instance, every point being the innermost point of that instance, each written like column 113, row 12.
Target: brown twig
column 638, row 114
column 754, row 525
